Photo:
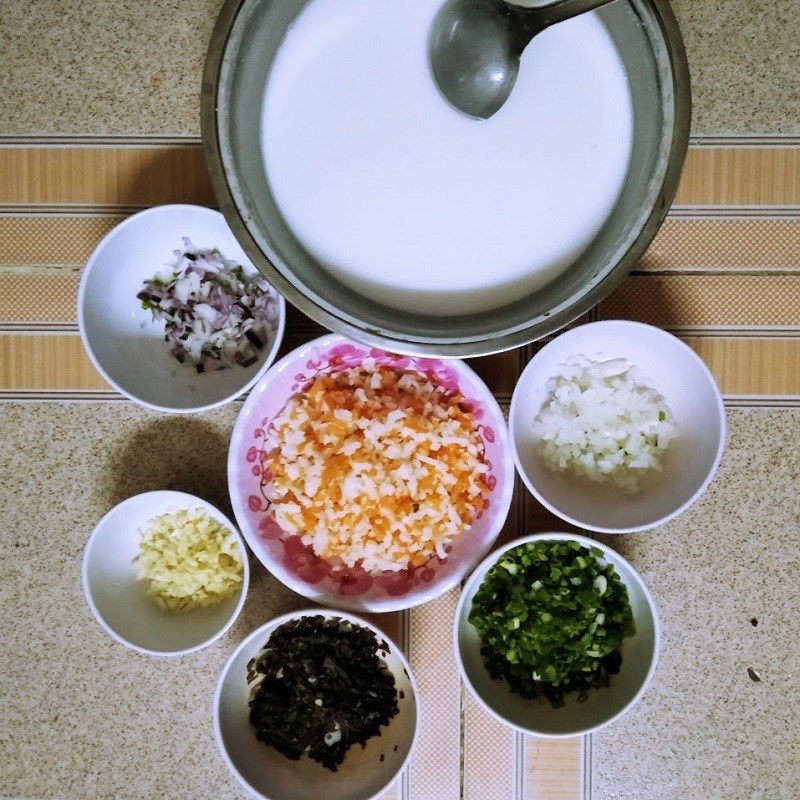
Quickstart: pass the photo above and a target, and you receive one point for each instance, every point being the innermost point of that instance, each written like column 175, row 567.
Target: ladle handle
column 535, row 19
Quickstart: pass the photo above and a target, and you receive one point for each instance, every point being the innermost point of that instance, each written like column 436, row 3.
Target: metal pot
column 243, row 46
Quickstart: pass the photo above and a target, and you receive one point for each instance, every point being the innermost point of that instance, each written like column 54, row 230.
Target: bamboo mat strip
column 752, row 366
column 716, row 244
column 38, row 299
column 46, row 363
column 744, row 366
column 698, row 301
column 673, row 301
column 436, row 769
column 52, row 240
column 103, row 176
column 740, row 176
column 553, row 769
column 723, row 244
column 489, row 753
column 123, row 176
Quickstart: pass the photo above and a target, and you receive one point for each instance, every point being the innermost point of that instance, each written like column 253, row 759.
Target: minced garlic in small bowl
column 165, row 573
column 190, row 559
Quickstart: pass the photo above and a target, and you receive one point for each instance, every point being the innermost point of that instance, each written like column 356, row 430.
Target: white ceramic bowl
column 297, row 566
column 126, row 346
column 603, row 706
column 120, row 601
column 691, row 460
column 271, row 776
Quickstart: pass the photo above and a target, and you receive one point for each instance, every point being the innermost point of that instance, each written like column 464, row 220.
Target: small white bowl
column 690, row 462
column 603, row 706
column 120, row 602
column 271, row 776
column 124, row 342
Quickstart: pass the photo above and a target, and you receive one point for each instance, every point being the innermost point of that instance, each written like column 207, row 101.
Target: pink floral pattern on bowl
column 295, row 563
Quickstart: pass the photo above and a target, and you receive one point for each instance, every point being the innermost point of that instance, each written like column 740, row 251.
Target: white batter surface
column 412, row 203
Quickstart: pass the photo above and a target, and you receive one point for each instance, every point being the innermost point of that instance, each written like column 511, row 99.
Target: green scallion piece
column 552, row 617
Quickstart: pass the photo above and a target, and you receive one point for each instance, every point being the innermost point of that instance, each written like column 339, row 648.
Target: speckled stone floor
column 725, row 577
column 81, row 715
column 84, row 718
column 91, row 67
column 81, row 718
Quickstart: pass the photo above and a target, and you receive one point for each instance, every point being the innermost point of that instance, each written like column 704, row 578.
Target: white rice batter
column 412, row 203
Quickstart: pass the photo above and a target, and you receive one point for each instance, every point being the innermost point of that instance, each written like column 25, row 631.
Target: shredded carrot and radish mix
column 376, row 468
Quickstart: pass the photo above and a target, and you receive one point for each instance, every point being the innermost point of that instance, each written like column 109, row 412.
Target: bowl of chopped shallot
column 172, row 313
column 369, row 480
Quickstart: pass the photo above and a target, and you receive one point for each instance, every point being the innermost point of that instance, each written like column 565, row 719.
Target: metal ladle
column 475, row 47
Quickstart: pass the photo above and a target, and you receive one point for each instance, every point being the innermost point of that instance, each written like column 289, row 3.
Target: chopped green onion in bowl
column 552, row 617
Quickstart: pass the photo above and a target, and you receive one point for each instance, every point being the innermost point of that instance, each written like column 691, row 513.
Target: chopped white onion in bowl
column 603, row 421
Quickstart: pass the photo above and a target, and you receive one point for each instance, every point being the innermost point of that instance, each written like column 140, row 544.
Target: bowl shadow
column 189, row 454
column 185, row 454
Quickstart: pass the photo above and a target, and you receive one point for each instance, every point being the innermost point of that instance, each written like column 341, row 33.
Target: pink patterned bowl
column 295, row 564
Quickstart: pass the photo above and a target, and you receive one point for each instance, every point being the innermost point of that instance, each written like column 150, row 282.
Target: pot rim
column 442, row 346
